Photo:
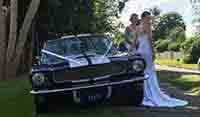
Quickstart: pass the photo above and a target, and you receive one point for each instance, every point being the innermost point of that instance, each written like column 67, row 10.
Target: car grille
column 89, row 72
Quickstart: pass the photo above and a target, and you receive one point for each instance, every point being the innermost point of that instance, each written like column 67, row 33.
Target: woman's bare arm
column 135, row 40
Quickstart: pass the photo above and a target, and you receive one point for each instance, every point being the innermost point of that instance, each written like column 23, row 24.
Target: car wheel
column 131, row 94
column 41, row 104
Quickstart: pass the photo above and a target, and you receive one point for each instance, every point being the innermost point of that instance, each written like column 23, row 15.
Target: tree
column 54, row 17
column 177, row 34
column 122, row 5
column 168, row 22
column 155, row 11
column 83, row 16
column 2, row 37
column 10, row 56
column 191, row 49
column 14, row 35
column 4, row 27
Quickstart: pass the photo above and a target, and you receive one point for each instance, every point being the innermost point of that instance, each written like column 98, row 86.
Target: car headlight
column 38, row 79
column 138, row 66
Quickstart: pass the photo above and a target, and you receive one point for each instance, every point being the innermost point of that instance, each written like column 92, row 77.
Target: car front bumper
column 131, row 80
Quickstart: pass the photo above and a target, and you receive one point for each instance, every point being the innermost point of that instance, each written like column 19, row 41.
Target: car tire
column 41, row 104
column 131, row 94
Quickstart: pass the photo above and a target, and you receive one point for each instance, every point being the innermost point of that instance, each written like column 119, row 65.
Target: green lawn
column 189, row 83
column 15, row 101
column 175, row 63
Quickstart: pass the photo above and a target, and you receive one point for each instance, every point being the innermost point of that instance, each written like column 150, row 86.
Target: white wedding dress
column 153, row 96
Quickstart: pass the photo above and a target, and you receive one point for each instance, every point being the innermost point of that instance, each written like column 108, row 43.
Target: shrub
column 191, row 49
column 162, row 45
column 195, row 53
column 174, row 47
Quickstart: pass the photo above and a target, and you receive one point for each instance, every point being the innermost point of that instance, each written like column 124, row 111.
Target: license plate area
column 92, row 95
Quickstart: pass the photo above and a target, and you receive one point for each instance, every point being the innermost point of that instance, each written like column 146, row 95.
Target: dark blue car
column 86, row 69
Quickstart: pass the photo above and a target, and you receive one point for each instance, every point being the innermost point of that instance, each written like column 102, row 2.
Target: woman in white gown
column 153, row 96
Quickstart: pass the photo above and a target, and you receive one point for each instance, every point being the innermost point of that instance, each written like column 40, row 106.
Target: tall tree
column 167, row 23
column 23, row 33
column 14, row 36
column 2, row 37
column 83, row 16
column 155, row 11
column 4, row 19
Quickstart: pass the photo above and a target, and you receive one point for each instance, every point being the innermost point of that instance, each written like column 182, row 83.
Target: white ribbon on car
column 82, row 61
column 72, row 62
column 111, row 43
column 102, row 59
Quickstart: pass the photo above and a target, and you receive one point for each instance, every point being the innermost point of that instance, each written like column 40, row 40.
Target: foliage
column 118, row 38
column 155, row 11
column 177, row 34
column 171, row 29
column 175, row 63
column 191, row 49
column 162, row 45
column 174, row 47
column 168, row 22
column 84, row 16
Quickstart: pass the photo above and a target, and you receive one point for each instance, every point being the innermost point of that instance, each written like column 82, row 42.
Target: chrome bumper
column 91, row 86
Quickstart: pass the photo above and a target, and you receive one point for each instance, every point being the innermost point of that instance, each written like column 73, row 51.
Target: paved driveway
column 174, row 69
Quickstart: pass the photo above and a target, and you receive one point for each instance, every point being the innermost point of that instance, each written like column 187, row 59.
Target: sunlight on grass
column 188, row 83
column 195, row 91
column 175, row 63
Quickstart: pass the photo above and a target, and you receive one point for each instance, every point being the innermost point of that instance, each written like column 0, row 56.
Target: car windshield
column 76, row 46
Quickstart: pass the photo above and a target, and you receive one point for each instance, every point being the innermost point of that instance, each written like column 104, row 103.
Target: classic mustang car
column 86, row 69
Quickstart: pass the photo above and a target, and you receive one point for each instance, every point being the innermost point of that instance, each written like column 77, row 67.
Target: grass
column 188, row 83
column 175, row 63
column 15, row 101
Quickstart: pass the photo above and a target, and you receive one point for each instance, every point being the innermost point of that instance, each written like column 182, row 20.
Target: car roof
column 79, row 35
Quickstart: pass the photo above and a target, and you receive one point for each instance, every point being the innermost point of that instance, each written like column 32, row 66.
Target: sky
column 183, row 7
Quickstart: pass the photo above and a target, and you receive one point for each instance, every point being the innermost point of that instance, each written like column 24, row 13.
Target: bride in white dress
column 153, row 96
